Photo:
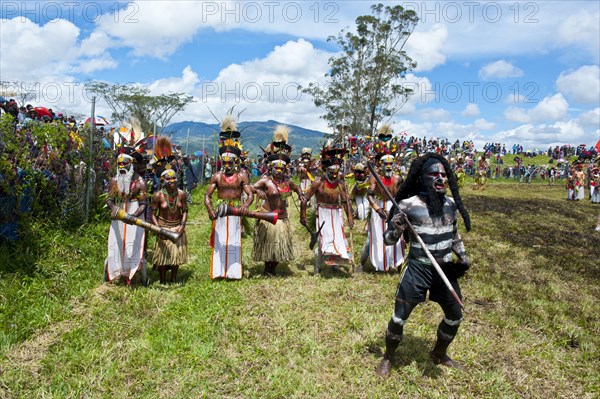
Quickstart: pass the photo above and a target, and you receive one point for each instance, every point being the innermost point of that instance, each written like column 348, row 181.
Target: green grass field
column 531, row 328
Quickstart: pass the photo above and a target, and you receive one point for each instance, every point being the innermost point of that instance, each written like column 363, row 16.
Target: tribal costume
column 382, row 257
column 434, row 217
column 167, row 253
column 579, row 176
column 274, row 243
column 231, row 184
column 127, row 191
column 332, row 200
column 169, row 210
column 358, row 194
column 595, row 182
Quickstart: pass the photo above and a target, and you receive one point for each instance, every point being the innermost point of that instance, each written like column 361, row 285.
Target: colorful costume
column 126, row 243
column 231, row 184
column 382, row 257
column 125, row 246
column 332, row 200
column 359, row 192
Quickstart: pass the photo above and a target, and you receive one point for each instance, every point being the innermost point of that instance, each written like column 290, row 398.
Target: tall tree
column 130, row 100
column 365, row 83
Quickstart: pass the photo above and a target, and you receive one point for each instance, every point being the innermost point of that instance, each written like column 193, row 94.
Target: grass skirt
column 167, row 253
column 273, row 243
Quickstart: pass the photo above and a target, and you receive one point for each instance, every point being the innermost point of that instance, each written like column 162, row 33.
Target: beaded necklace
column 171, row 200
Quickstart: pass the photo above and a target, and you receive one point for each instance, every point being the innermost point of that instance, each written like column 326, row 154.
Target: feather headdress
column 279, row 149
column 164, row 148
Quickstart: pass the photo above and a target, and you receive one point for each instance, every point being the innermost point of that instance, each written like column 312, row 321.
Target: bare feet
column 384, row 369
column 445, row 360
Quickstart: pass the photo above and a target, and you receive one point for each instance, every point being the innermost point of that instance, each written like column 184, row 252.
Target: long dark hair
column 412, row 185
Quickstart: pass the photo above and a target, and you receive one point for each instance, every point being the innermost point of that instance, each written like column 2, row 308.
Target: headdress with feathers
column 382, row 147
column 279, row 149
column 332, row 154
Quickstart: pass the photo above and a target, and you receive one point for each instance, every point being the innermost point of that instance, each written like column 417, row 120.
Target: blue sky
column 512, row 72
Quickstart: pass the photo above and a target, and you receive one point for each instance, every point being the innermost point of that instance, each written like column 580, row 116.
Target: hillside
column 254, row 134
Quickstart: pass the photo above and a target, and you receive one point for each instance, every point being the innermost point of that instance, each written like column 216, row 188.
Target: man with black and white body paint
column 423, row 202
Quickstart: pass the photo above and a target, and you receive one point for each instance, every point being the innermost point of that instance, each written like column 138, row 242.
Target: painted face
column 170, row 179
column 123, row 165
column 387, row 165
column 278, row 169
column 360, row 175
column 435, row 176
column 332, row 172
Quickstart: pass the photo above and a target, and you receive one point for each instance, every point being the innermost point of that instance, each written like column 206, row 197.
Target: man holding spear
column 423, row 213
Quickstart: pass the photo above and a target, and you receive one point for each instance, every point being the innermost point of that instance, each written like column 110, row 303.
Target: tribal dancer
column 434, row 216
column 230, row 184
column 483, row 166
column 579, row 177
column 459, row 171
column 358, row 194
column 595, row 181
column 306, row 169
column 126, row 191
column 274, row 243
column 382, row 257
column 169, row 210
column 332, row 196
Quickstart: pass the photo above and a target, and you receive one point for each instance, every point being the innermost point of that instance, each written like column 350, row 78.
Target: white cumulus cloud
column 425, row 47
column 550, row 109
column 471, row 110
column 582, row 85
column 499, row 69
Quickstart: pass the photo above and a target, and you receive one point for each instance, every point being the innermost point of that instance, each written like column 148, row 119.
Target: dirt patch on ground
column 534, row 224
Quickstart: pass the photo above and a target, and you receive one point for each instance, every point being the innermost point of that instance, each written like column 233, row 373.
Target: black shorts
column 418, row 278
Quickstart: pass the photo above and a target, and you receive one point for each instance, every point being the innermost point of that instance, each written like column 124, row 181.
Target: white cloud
column 499, row 69
column 266, row 88
column 557, row 133
column 105, row 61
column 515, row 98
column 582, row 85
column 471, row 110
column 154, row 28
column 425, row 47
column 482, row 124
column 551, row 108
column 581, row 30
column 516, row 114
column 590, row 118
column 184, row 84
column 30, row 51
column 434, row 114
column 423, row 90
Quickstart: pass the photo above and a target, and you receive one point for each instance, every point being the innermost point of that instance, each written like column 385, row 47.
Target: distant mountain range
column 254, row 134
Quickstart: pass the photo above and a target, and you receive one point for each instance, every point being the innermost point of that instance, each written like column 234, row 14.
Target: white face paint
column 387, row 165
column 124, row 178
column 332, row 172
column 278, row 169
column 435, row 176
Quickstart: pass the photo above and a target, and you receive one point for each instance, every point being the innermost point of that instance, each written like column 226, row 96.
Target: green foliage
column 364, row 84
column 42, row 174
